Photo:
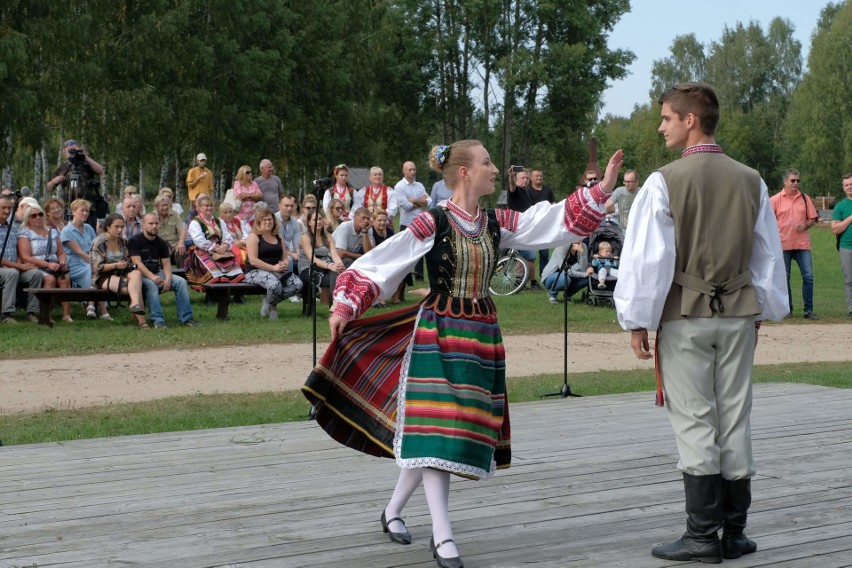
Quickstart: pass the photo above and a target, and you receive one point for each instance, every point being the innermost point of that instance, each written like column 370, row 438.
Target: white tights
column 436, row 484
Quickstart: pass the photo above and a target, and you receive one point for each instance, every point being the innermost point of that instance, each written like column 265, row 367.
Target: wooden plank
column 593, row 483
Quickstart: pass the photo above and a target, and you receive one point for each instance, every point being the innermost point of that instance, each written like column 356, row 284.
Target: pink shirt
column 241, row 192
column 791, row 210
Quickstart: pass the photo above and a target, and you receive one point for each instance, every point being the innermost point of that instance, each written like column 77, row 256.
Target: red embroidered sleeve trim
column 423, row 226
column 580, row 217
column 343, row 311
column 507, row 219
column 358, row 290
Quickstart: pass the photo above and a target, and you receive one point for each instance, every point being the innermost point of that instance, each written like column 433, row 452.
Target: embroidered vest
column 460, row 267
column 714, row 201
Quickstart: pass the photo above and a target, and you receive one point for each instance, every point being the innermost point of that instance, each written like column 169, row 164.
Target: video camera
column 323, row 184
column 77, row 157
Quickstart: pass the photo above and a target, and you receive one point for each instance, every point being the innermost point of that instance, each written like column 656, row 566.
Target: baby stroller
column 593, row 295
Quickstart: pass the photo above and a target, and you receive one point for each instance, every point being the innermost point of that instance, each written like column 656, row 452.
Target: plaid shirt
column 11, row 252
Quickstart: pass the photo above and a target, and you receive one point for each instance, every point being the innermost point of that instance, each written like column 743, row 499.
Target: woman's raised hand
column 612, row 169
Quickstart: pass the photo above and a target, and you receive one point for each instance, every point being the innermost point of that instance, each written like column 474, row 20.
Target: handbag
column 223, row 256
column 231, row 199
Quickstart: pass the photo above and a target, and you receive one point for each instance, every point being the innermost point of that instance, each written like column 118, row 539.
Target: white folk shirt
column 647, row 261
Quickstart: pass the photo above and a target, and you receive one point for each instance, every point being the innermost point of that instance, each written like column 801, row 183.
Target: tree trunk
column 37, row 175
column 164, row 172
column 141, row 186
column 9, row 168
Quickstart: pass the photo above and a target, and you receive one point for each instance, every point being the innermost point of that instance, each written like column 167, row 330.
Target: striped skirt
column 202, row 269
column 425, row 388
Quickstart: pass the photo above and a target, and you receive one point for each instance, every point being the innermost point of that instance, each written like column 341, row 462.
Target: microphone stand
column 314, row 288
column 565, row 391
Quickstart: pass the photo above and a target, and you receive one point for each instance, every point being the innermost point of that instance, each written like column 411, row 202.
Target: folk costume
column 344, row 193
column 426, row 384
column 701, row 264
column 382, row 197
column 203, row 265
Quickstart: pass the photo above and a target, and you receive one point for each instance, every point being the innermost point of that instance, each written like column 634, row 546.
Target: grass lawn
column 226, row 410
column 524, row 313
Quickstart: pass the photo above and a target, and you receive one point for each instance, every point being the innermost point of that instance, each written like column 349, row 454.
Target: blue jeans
column 152, row 297
column 555, row 283
column 543, row 259
column 803, row 259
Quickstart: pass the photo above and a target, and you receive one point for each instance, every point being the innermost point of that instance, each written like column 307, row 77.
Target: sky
column 651, row 26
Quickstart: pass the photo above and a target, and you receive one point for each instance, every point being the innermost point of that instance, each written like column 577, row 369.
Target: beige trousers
column 706, row 365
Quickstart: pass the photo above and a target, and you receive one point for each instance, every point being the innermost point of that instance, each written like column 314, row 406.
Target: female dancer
column 426, row 384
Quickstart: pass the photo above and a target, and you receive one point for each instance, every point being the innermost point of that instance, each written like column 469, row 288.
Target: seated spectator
column 40, row 245
column 130, row 191
column 579, row 270
column 176, row 207
column 268, row 263
column 226, row 214
column 248, row 192
column 130, row 213
column 309, row 205
column 605, row 264
column 112, row 269
column 352, row 237
column 289, row 228
column 21, row 211
column 210, row 259
column 318, row 245
column 379, row 231
column 14, row 272
column 54, row 209
column 255, row 208
column 151, row 255
column 170, row 228
column 77, row 238
column 336, row 214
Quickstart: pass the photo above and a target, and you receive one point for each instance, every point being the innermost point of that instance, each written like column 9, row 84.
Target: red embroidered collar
column 461, row 213
column 702, row 149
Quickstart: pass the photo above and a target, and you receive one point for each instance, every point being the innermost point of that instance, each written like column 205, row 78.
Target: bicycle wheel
column 509, row 276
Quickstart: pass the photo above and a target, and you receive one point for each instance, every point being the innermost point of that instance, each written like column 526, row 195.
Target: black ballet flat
column 400, row 537
column 455, row 562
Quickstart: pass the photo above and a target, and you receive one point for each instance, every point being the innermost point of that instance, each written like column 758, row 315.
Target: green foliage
column 147, row 85
column 818, row 129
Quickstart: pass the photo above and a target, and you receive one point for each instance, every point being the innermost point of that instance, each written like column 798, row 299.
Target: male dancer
column 702, row 264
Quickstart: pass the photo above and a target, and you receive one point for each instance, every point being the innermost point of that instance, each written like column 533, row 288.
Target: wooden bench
column 220, row 292
column 49, row 296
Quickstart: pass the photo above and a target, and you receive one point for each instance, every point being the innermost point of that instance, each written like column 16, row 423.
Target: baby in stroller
column 605, row 264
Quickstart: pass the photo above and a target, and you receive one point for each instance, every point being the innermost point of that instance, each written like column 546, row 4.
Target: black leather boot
column 736, row 500
column 700, row 542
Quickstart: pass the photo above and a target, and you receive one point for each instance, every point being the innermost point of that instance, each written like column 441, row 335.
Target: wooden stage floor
column 593, row 484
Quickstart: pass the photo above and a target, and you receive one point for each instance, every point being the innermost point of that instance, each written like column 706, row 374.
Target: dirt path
column 79, row 381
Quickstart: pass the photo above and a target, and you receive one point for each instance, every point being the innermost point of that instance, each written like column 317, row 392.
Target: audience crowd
column 264, row 236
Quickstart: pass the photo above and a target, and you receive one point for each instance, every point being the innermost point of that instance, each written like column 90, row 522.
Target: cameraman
column 77, row 178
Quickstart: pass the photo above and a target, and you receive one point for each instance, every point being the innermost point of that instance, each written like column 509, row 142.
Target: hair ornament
column 442, row 152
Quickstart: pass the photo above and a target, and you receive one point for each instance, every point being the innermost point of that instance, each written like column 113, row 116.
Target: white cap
column 200, row 157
